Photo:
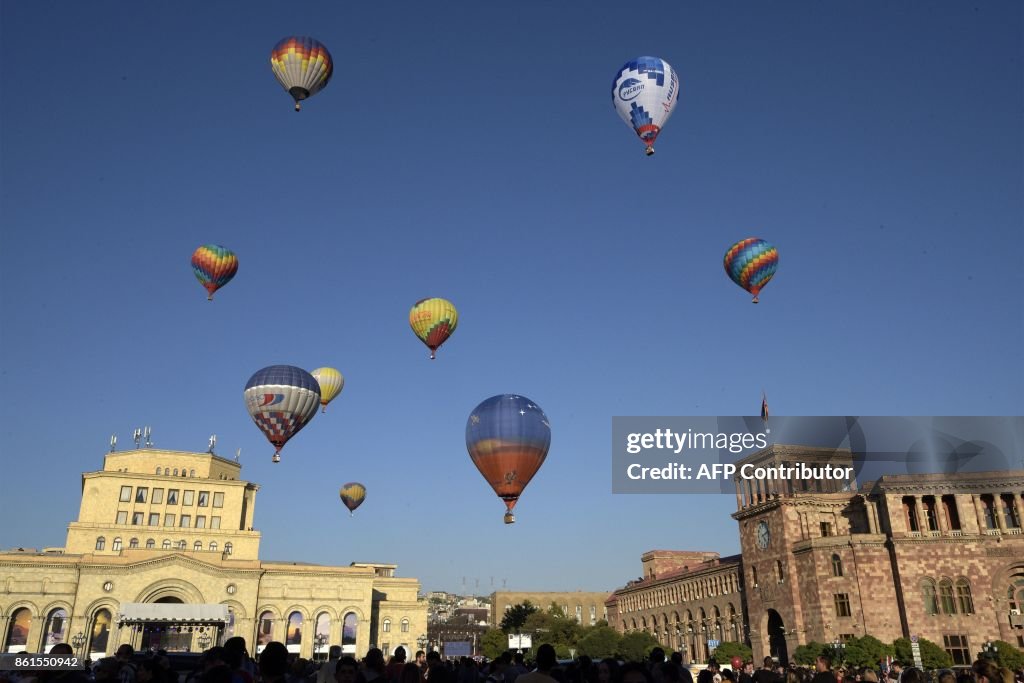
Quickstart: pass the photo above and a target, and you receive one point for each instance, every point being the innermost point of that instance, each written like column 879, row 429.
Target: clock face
column 763, row 537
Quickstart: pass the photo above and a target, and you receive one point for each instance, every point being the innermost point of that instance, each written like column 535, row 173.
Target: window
column 201, row 522
column 579, row 614
column 191, row 473
column 186, row 521
column 957, row 648
column 778, row 571
column 166, row 545
column 218, row 500
column 56, row 627
column 946, row 597
column 1009, row 511
column 952, row 516
column 126, row 494
column 826, row 528
column 842, row 601
column 931, row 605
column 154, row 519
column 228, row 548
column 122, row 516
column 386, row 626
column 293, row 636
column 175, row 471
column 910, row 513
column 988, row 509
column 140, row 494
column 17, row 632
column 963, row 597
column 137, row 518
column 204, row 498
column 214, row 522
column 116, row 547
column 753, row 575
column 133, row 544
column 172, row 497
column 158, row 496
column 837, row 565
column 213, row 546
column 593, row 615
column 150, row 544
column 198, row 545
column 101, row 543
column 189, row 498
column 405, row 625
column 168, row 520
column 930, row 518
column 182, row 545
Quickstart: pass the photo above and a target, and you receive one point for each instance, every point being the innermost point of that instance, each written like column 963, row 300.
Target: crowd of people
column 231, row 663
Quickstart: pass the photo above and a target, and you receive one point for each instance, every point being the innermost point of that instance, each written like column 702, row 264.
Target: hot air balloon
column 331, row 383
column 214, row 267
column 302, row 66
column 433, row 321
column 751, row 263
column 507, row 437
column 281, row 399
column 352, row 495
column 644, row 93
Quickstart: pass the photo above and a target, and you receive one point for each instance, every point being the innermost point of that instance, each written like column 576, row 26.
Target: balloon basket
column 649, row 151
column 755, row 300
column 510, row 518
column 298, row 107
column 277, row 457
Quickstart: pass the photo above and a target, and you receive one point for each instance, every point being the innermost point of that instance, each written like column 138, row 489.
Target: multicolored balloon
column 281, row 400
column 331, row 383
column 214, row 267
column 302, row 66
column 507, row 437
column 751, row 263
column 645, row 92
column 352, row 495
column 433, row 321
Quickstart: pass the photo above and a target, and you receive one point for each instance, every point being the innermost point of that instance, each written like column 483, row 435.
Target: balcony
column 1017, row 620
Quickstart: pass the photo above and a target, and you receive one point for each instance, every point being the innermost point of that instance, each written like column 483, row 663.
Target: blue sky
column 471, row 151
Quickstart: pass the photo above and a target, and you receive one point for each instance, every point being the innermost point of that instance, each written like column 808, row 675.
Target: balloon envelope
column 331, row 383
column 508, row 437
column 751, row 263
column 302, row 66
column 281, row 400
column 433, row 321
column 645, row 92
column 352, row 495
column 214, row 267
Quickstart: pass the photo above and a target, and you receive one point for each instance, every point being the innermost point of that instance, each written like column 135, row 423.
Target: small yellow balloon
column 331, row 383
column 433, row 321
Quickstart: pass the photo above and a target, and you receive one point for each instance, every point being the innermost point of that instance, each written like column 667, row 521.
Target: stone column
column 1017, row 505
column 940, row 515
column 997, row 512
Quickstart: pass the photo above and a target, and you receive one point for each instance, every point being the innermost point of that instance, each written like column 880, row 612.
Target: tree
column 493, row 642
column 599, row 641
column 865, row 651
column 636, row 646
column 516, row 616
column 556, row 611
column 728, row 649
column 932, row 656
column 1009, row 655
column 806, row 654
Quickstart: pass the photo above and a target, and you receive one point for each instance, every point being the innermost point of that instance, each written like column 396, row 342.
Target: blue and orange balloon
column 214, row 267
column 508, row 437
column 281, row 400
column 751, row 263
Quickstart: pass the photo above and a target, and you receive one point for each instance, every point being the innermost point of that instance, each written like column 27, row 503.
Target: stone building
column 164, row 555
column 940, row 556
column 687, row 600
column 586, row 608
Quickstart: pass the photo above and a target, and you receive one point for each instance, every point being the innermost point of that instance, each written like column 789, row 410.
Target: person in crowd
column 273, row 664
column 546, row 660
column 823, row 670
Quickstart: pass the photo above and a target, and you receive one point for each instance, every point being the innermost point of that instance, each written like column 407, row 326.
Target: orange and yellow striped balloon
column 214, row 267
column 433, row 321
column 331, row 383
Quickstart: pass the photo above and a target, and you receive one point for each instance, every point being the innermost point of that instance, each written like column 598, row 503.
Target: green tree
column 806, row 654
column 599, row 641
column 516, row 616
column 556, row 611
column 932, row 656
column 636, row 646
column 553, row 629
column 728, row 649
column 493, row 642
column 1009, row 655
column 865, row 651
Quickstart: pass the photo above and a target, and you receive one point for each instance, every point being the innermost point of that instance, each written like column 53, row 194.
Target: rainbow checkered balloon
column 302, row 65
column 751, row 263
column 214, row 267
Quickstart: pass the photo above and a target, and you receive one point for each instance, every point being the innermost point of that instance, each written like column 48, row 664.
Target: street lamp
column 421, row 643
column 78, row 641
column 991, row 650
column 838, row 648
column 318, row 643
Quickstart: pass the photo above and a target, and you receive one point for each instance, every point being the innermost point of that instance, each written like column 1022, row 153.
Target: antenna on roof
column 137, row 435
column 213, row 442
column 147, row 433
column 113, row 442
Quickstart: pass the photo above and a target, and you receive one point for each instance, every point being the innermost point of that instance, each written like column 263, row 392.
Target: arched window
column 266, row 630
column 17, row 632
column 349, row 630
column 963, row 596
column 56, row 627
column 229, row 627
column 405, row 625
column 228, row 548
column 778, row 571
column 385, row 626
column 931, row 605
column 134, row 543
column 191, row 473
column 158, row 471
column 175, row 471
column 294, row 634
column 753, row 575
column 198, row 545
column 150, row 544
column 946, row 597
column 182, row 544
column 213, row 546
column 322, row 633
column 166, row 545
column 101, row 543
column 116, row 546
column 837, row 565
column 100, row 633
